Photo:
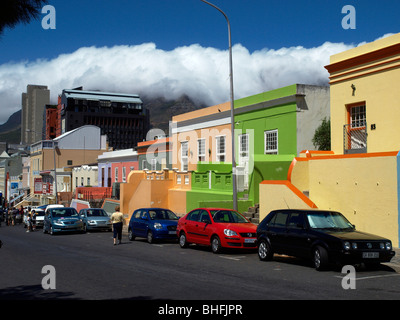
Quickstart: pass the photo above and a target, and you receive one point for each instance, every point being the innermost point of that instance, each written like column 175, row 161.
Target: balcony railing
column 354, row 139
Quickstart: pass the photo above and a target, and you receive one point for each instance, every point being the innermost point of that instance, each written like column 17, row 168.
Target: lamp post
column 235, row 207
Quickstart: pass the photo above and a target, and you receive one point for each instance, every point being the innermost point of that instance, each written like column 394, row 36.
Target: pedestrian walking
column 33, row 218
column 117, row 220
column 29, row 220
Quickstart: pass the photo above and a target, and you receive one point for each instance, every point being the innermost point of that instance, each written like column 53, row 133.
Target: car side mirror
column 205, row 220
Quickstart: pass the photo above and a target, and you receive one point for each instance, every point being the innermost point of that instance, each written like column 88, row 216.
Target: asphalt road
column 89, row 267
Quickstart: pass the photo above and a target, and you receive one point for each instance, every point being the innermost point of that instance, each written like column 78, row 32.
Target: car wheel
column 182, row 240
column 131, row 236
column 264, row 251
column 320, row 258
column 216, row 245
column 150, row 238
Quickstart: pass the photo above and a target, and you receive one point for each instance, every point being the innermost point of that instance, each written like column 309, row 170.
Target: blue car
column 153, row 224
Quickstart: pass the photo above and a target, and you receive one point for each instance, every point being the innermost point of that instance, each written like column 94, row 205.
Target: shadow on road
column 34, row 292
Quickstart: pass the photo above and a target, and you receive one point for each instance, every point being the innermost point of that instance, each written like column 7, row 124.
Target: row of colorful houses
column 277, row 164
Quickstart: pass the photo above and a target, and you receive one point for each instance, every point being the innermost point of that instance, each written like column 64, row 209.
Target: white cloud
column 201, row 73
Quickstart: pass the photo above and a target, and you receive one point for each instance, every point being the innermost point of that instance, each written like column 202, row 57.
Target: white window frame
column 271, row 134
column 123, row 174
column 184, row 155
column 201, row 149
column 153, row 164
column 219, row 154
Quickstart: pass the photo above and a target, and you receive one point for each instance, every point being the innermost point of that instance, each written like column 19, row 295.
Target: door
column 277, row 231
column 244, row 157
column 297, row 241
column 204, row 227
column 191, row 225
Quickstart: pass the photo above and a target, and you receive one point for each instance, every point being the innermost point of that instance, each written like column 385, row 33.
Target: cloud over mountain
column 200, row 73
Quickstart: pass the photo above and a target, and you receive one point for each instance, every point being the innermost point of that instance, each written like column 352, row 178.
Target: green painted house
column 271, row 128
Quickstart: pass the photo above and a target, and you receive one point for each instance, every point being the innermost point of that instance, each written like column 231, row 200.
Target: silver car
column 95, row 219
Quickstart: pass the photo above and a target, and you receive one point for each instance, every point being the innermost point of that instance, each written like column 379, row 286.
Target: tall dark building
column 120, row 116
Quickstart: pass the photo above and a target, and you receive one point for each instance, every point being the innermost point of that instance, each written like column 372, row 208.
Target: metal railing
column 354, row 139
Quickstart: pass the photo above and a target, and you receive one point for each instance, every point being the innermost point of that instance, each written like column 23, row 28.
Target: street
column 88, row 267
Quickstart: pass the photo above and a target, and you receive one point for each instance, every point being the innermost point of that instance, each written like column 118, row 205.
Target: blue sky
column 256, row 24
column 30, row 54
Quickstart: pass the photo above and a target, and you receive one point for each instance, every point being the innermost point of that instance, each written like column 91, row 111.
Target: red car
column 218, row 228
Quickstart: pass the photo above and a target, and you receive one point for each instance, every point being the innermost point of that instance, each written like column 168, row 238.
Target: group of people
column 11, row 216
column 31, row 220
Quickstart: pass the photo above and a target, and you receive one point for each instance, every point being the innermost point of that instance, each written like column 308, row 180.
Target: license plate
column 171, row 232
column 370, row 255
column 248, row 240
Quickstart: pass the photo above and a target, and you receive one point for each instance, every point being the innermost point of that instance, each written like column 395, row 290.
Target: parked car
column 61, row 219
column 324, row 236
column 218, row 228
column 95, row 219
column 153, row 224
column 39, row 218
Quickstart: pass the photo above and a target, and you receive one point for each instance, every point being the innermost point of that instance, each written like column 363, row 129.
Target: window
column 123, row 174
column 201, row 150
column 271, row 142
column 116, row 174
column 184, row 155
column 153, row 164
column 194, row 215
column 88, row 181
column 82, row 181
column 357, row 116
column 220, row 141
column 244, row 145
column 296, row 220
column 279, row 220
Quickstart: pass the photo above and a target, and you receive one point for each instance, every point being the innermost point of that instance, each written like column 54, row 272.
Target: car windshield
column 96, row 213
column 328, row 220
column 228, row 216
column 162, row 215
column 64, row 212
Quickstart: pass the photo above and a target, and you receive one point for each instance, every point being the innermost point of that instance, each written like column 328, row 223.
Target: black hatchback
column 324, row 236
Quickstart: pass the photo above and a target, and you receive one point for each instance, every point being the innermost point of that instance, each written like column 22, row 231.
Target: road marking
column 236, row 258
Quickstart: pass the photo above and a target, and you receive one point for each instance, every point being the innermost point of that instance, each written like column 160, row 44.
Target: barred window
column 271, row 141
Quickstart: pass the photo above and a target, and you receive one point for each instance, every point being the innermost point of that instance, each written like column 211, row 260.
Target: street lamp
column 235, row 207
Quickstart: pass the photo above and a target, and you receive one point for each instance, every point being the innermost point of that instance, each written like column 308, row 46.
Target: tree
column 322, row 136
column 19, row 11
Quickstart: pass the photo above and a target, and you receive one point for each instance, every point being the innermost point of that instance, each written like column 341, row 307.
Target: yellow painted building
column 365, row 97
column 360, row 175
